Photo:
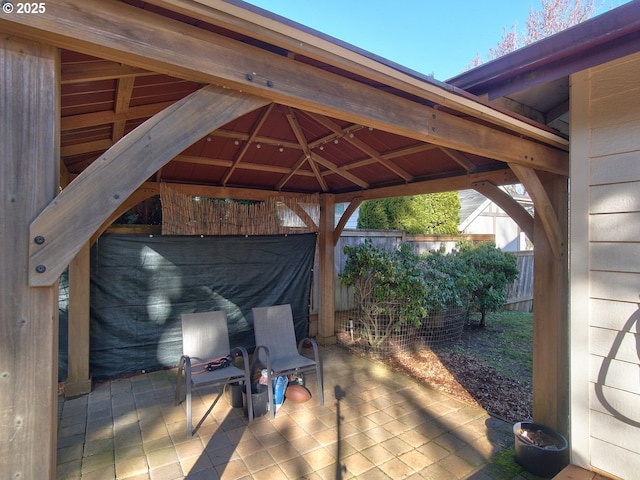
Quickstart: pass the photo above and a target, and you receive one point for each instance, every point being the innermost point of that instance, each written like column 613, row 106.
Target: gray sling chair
column 276, row 348
column 204, row 362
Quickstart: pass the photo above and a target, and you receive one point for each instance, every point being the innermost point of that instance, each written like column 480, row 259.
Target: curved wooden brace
column 70, row 220
column 355, row 203
column 506, row 202
column 140, row 195
column 544, row 208
column 300, row 212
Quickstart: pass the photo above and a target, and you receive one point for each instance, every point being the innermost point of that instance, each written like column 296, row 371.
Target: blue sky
column 436, row 38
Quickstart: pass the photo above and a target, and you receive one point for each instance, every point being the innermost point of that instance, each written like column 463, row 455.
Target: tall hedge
column 434, row 213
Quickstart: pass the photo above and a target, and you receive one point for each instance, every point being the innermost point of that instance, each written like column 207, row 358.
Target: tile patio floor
column 385, row 426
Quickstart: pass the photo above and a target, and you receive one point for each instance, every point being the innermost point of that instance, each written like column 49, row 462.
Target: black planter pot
column 543, row 461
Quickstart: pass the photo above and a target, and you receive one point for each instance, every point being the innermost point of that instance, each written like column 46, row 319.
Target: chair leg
column 247, row 388
column 179, row 381
column 320, row 383
column 188, row 400
column 272, row 403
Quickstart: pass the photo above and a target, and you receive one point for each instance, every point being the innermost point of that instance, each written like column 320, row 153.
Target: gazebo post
column 29, row 179
column 78, row 375
column 551, row 314
column 326, row 251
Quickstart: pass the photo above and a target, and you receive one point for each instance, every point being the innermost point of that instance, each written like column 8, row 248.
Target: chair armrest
column 311, row 341
column 256, row 358
column 241, row 351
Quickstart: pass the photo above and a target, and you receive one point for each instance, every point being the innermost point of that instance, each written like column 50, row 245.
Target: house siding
column 605, row 261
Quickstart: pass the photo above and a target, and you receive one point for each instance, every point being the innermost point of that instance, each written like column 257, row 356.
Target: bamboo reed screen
column 188, row 215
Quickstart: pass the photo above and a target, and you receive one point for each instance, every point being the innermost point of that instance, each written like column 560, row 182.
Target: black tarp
column 140, row 286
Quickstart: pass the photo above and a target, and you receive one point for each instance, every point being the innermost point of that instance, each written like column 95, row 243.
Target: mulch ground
column 464, row 378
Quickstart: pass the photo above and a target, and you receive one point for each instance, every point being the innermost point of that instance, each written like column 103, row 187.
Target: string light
column 236, row 142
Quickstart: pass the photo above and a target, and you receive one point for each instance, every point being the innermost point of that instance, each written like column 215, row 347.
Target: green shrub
column 446, row 281
column 488, row 270
column 389, row 288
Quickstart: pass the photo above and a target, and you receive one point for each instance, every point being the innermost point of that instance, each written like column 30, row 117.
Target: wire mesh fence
column 356, row 330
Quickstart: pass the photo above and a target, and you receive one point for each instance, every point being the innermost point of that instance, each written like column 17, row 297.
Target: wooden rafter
column 302, row 141
column 461, row 159
column 338, row 171
column 70, row 221
column 324, row 50
column 256, row 167
column 293, row 171
column 101, row 70
column 498, row 177
column 123, row 97
column 105, row 29
column 109, row 116
column 348, row 136
column 252, row 134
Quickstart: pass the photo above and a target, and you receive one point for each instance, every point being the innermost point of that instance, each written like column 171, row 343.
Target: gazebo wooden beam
column 139, row 38
column 448, row 184
column 346, row 215
column 544, row 208
column 29, row 169
column 68, row 222
column 325, row 50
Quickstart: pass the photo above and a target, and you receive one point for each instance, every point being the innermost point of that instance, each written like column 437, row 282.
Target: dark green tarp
column 140, row 285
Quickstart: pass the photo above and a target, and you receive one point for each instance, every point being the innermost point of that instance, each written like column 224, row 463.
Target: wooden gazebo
column 104, row 100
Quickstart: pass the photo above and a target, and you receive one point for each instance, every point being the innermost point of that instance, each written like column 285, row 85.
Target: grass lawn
column 506, row 344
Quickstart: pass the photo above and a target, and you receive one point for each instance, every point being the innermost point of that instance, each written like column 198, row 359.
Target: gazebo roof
column 290, row 144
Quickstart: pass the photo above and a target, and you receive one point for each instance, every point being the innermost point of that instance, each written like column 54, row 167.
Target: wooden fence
column 519, row 294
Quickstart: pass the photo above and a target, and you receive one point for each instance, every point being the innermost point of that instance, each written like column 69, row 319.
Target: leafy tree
column 435, row 213
column 488, row 271
column 554, row 16
column 389, row 289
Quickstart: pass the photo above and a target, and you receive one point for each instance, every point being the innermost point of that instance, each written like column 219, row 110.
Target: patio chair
column 276, row 348
column 207, row 360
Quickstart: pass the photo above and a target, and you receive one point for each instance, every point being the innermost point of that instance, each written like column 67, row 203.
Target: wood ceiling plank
column 120, row 32
column 73, row 216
